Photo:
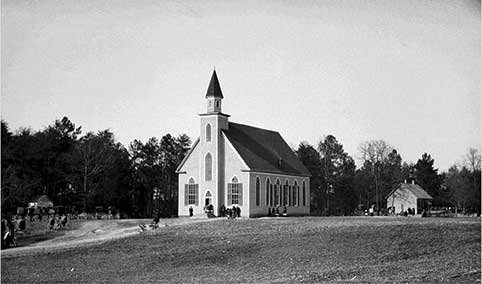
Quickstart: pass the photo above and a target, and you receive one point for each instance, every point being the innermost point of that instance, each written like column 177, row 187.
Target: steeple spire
column 214, row 89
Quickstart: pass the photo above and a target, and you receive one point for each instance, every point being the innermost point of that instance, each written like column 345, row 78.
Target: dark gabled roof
column 264, row 150
column 413, row 188
column 214, row 89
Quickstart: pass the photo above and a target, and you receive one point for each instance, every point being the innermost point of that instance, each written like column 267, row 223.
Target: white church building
column 233, row 164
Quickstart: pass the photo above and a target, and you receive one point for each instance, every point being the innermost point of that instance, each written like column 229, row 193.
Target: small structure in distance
column 408, row 195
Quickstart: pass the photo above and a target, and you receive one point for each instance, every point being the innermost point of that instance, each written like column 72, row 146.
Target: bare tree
column 95, row 155
column 375, row 152
column 472, row 160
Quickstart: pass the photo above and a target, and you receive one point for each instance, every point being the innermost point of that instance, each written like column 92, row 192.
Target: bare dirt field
column 92, row 232
column 303, row 250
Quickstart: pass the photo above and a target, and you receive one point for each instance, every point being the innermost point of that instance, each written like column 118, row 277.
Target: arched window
column 235, row 192
column 304, row 194
column 208, row 164
column 191, row 193
column 294, row 196
column 277, row 193
column 208, row 132
column 217, row 104
column 257, row 191
column 271, row 195
column 267, row 191
column 285, row 193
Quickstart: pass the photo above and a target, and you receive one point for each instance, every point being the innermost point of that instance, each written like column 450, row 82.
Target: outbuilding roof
column 418, row 191
column 264, row 150
column 43, row 201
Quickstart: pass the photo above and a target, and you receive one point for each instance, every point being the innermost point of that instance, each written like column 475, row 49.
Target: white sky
column 407, row 72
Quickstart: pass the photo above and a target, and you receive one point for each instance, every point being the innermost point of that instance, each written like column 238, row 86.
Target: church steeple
column 214, row 95
column 214, row 89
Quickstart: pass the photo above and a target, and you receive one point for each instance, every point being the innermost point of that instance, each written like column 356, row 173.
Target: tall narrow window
column 285, row 194
column 257, row 191
column 191, row 193
column 267, row 192
column 304, row 194
column 271, row 195
column 208, row 132
column 295, row 197
column 299, row 196
column 290, row 196
column 208, row 167
column 277, row 193
column 235, row 192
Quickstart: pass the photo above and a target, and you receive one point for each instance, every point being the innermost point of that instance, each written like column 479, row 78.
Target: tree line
column 84, row 171
column 339, row 188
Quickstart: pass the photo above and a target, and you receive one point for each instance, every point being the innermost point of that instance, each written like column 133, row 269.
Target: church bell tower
column 214, row 95
column 213, row 122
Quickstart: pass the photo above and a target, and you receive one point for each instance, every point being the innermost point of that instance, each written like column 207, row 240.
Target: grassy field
column 272, row 250
column 39, row 231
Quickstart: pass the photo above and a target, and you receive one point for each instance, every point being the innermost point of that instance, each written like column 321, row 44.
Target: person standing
column 51, row 222
column 191, row 212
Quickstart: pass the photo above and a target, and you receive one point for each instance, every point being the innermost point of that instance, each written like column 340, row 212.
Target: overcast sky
column 407, row 72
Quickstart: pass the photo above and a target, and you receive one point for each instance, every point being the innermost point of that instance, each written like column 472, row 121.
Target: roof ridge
column 255, row 127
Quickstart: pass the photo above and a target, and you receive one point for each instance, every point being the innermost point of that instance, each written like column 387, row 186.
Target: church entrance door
column 209, row 198
column 208, row 207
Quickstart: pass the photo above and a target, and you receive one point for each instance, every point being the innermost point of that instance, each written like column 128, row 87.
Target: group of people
column 276, row 211
column 409, row 211
column 58, row 222
column 209, row 209
column 231, row 213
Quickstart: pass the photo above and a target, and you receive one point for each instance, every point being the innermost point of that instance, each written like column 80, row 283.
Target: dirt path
column 95, row 232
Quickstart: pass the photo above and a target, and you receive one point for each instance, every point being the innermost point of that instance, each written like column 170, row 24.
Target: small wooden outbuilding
column 42, row 202
column 408, row 195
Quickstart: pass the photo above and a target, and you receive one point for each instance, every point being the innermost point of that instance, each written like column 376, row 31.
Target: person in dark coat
column 9, row 237
column 21, row 224
column 191, row 212
column 51, row 222
column 4, row 230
